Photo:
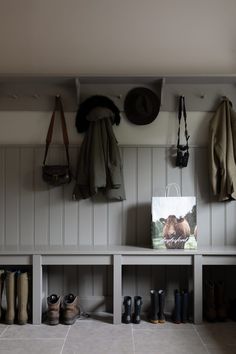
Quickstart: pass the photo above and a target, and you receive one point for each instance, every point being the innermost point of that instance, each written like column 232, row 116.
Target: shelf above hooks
column 36, row 93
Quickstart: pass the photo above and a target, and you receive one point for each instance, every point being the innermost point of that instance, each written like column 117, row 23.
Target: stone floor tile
column 31, row 346
column 35, row 331
column 168, row 341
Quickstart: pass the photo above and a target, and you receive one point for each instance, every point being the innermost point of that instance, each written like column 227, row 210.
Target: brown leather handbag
column 57, row 175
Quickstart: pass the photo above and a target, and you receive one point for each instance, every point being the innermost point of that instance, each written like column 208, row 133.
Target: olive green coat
column 222, row 152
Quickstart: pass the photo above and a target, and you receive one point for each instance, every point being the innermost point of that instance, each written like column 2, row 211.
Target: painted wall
column 133, row 37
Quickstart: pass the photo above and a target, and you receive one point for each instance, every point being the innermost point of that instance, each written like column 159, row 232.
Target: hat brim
column 141, row 106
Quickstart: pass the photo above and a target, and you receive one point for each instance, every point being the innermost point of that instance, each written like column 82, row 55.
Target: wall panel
column 31, row 213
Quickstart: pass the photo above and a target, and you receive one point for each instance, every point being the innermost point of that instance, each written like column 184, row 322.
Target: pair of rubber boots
column 180, row 313
column 127, row 316
column 157, row 306
column 214, row 301
column 66, row 308
column 17, row 288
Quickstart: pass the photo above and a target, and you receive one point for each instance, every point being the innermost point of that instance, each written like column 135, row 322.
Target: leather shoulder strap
column 57, row 107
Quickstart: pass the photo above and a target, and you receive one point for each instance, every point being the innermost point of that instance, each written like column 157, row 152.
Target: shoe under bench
column 116, row 256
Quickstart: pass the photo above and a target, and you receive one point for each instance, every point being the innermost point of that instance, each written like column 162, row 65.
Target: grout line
column 65, row 340
column 28, row 339
column 4, row 331
column 132, row 331
column 203, row 343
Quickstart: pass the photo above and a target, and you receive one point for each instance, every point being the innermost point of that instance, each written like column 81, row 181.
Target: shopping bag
column 174, row 222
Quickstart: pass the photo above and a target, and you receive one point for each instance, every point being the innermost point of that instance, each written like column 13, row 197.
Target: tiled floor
column 99, row 336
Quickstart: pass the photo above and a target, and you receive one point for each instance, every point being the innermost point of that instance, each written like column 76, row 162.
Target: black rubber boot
column 184, row 306
column 177, row 309
column 221, row 308
column 126, row 316
column 137, row 309
column 154, row 306
column 161, row 301
column 209, row 302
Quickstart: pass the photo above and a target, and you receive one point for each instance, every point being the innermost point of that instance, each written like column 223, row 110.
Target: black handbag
column 57, row 175
column 182, row 150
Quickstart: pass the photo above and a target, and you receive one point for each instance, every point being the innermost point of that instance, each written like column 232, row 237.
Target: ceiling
column 111, row 37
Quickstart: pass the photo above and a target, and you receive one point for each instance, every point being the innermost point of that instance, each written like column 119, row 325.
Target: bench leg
column 197, row 288
column 117, row 288
column 37, row 289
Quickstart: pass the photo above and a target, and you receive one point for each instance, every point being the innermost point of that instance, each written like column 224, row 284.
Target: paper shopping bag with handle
column 174, row 221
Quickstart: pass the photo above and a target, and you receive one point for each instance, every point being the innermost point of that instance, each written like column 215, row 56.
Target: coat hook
column 202, row 95
column 14, row 96
column 36, row 96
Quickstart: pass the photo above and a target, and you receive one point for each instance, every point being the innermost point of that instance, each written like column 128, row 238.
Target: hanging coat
column 222, row 150
column 99, row 163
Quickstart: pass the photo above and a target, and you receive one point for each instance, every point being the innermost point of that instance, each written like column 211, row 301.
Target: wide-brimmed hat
column 141, row 106
column 81, row 121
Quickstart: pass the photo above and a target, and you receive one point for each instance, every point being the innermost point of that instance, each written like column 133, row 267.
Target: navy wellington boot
column 137, row 309
column 177, row 309
column 154, row 306
column 184, row 306
column 161, row 302
column 126, row 316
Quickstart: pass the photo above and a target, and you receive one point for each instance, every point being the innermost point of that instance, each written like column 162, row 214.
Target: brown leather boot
column 54, row 305
column 1, row 289
column 71, row 309
column 22, row 295
column 209, row 301
column 221, row 309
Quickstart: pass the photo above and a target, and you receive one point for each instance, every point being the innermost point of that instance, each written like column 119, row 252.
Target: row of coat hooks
column 36, row 93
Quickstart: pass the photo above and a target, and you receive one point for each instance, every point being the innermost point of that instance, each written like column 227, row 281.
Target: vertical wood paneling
column 71, row 207
column 2, row 196
column 41, row 202
column 230, row 214
column 12, row 196
column 56, row 210
column 218, row 224
column 27, row 211
column 130, row 204
column 144, row 196
column 188, row 178
column 203, row 199
column 85, row 222
column 85, row 281
column 69, row 277
column 100, row 219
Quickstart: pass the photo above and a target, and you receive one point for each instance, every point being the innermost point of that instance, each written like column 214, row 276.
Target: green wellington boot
column 10, row 297
column 1, row 290
column 22, row 295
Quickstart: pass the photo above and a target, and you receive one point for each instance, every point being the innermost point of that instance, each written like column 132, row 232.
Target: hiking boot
column 154, row 306
column 53, row 313
column 71, row 309
column 126, row 316
column 137, row 309
column 22, row 295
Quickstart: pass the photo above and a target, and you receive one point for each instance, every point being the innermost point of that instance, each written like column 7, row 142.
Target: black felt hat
column 81, row 122
column 141, row 106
